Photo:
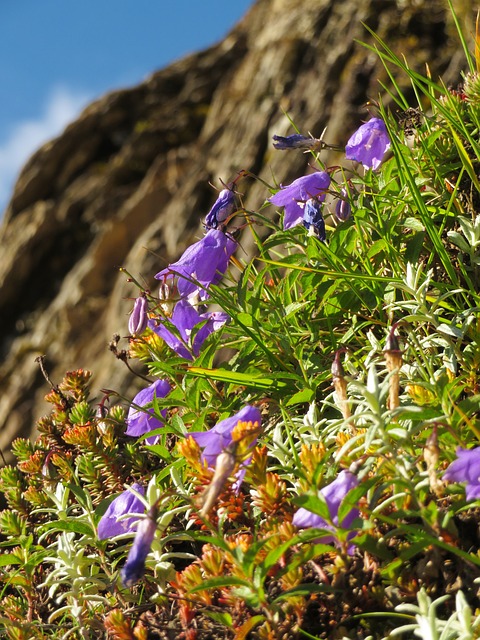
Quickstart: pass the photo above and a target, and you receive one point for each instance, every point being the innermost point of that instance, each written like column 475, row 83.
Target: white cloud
column 62, row 106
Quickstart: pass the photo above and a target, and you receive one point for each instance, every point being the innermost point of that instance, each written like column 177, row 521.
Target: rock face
column 127, row 183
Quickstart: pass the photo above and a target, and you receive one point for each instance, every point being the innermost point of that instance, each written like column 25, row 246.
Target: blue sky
column 58, row 55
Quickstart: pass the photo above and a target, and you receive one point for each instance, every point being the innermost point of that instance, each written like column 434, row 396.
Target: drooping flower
column 297, row 141
column 185, row 318
column 141, row 421
column 343, row 208
column 466, row 468
column 134, row 567
column 334, row 494
column 204, row 262
column 223, row 207
column 369, row 144
column 127, row 502
column 220, row 437
column 313, row 219
column 237, row 434
column 293, row 196
column 137, row 323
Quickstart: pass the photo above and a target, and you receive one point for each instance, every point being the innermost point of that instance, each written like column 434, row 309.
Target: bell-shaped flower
column 137, row 323
column 141, row 421
column 202, row 264
column 313, row 219
column 134, row 567
column 223, row 207
column 466, row 468
column 293, row 196
column 235, row 435
column 221, row 436
column 333, row 494
column 369, row 144
column 127, row 502
column 185, row 318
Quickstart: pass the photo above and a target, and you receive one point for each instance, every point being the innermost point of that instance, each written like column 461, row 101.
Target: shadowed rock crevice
column 127, row 183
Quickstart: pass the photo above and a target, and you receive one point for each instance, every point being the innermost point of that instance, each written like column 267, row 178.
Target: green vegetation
column 362, row 355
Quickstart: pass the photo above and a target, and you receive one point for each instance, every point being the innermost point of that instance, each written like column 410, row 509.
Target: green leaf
column 9, row 558
column 377, row 247
column 160, row 451
column 81, row 495
column 314, row 503
column 305, row 590
column 371, row 544
column 257, row 381
column 220, row 617
column 67, row 525
column 217, row 583
column 242, row 632
column 306, row 395
column 245, row 318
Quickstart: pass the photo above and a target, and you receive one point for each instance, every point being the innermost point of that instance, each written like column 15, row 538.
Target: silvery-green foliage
column 461, row 625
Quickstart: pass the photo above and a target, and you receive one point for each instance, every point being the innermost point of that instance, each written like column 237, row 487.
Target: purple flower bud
column 337, row 367
column 343, row 209
column 223, row 207
column 142, row 421
column 334, row 494
column 313, row 219
column 466, row 468
column 297, row 141
column 135, row 566
column 137, row 323
column 369, row 144
column 204, row 262
column 293, row 196
column 127, row 502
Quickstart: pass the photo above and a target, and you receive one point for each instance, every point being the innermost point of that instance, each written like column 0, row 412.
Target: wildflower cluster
column 308, row 423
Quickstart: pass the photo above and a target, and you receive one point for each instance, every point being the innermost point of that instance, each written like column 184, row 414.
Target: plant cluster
column 304, row 460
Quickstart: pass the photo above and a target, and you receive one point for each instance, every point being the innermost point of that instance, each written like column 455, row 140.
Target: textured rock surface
column 127, row 183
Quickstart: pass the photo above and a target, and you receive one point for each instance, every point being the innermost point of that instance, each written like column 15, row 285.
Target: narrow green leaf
column 305, row 590
column 222, row 581
column 258, row 381
column 220, row 617
column 67, row 525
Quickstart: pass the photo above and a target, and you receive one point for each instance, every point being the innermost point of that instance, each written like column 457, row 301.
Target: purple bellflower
column 466, row 468
column 333, row 493
column 139, row 421
column 135, row 565
column 205, row 262
column 313, row 219
column 343, row 209
column 297, row 141
column 369, row 144
column 219, row 439
column 137, row 323
column 127, row 502
column 223, row 207
column 185, row 318
column 293, row 196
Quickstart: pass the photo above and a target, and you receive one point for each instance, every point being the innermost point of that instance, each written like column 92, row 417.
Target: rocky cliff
column 127, row 184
